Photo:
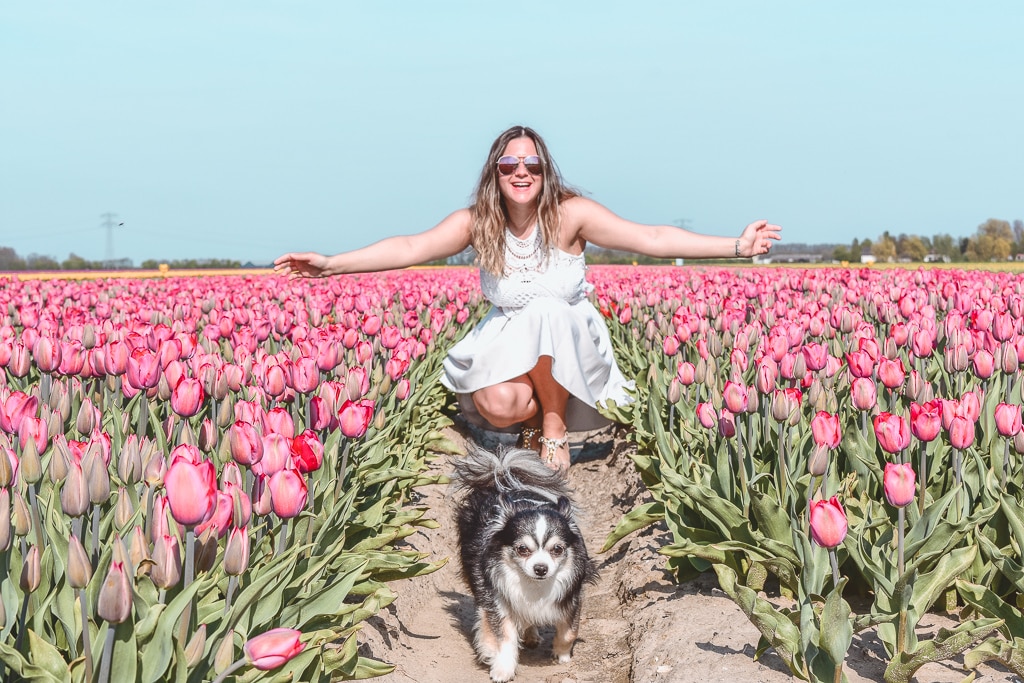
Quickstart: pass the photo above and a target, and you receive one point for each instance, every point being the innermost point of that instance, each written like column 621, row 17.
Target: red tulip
column 307, row 452
column 892, row 432
column 926, row 419
column 826, row 429
column 1008, row 419
column 898, row 483
column 828, row 522
column 191, row 490
column 273, row 648
column 287, row 493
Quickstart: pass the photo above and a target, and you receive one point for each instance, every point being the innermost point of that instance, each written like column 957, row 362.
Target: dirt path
column 638, row 625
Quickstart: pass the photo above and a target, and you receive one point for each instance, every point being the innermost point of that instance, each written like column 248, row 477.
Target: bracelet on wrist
column 737, row 248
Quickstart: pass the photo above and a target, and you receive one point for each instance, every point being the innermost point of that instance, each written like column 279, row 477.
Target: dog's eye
column 557, row 550
column 522, row 550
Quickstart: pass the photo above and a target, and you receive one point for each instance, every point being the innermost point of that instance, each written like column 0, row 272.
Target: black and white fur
column 522, row 555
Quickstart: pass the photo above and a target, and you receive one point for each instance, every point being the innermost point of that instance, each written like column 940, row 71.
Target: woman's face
column 520, row 187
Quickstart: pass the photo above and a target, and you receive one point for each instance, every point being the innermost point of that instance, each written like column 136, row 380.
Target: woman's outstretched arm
column 601, row 227
column 447, row 238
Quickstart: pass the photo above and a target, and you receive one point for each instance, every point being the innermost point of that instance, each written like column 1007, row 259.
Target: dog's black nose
column 540, row 570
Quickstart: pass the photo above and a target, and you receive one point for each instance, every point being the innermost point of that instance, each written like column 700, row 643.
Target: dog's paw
column 531, row 638
column 563, row 658
column 502, row 672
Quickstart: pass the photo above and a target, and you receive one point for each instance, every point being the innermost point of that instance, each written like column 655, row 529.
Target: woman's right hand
column 304, row 264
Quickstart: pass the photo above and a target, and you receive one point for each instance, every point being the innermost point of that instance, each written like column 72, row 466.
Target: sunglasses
column 507, row 165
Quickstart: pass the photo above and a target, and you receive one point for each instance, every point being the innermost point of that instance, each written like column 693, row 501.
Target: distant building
column 789, row 258
column 936, row 258
column 868, row 258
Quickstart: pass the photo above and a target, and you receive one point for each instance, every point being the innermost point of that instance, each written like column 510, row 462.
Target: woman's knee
column 505, row 404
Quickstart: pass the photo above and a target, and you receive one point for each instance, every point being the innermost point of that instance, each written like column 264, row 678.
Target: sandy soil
column 638, row 625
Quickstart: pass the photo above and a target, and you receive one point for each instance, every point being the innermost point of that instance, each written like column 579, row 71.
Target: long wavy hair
column 490, row 215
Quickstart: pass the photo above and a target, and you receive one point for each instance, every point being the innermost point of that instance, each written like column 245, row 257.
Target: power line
column 108, row 223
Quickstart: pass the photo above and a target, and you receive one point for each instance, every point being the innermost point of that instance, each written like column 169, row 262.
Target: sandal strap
column 552, row 445
column 527, row 435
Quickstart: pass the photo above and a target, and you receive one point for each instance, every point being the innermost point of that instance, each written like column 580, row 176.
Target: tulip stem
column 282, row 542
column 190, row 553
column 901, row 632
column 340, row 488
column 230, row 670
column 923, row 476
column 1006, row 462
column 232, row 585
column 783, row 468
column 95, row 533
column 22, row 617
column 36, row 523
column 108, row 651
column 143, row 414
column 834, row 561
column 83, row 601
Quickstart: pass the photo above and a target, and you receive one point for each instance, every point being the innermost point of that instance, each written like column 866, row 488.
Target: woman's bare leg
column 553, row 398
column 535, row 399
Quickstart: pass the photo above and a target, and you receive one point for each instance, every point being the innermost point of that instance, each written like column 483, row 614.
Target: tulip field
column 212, row 477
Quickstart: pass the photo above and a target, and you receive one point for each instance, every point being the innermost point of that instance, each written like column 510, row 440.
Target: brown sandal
column 527, row 437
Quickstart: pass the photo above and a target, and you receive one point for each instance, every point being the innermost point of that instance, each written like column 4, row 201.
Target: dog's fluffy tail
column 509, row 469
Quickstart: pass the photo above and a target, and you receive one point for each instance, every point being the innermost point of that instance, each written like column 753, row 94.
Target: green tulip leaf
column 947, row 644
column 1010, row 655
column 638, row 518
column 991, row 605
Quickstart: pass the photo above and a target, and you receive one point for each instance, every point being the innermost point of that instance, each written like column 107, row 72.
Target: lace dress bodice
column 528, row 275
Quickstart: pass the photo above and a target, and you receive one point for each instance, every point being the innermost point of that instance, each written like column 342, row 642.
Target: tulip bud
column 166, row 569
column 225, row 656
column 86, row 420
column 5, row 522
column 31, row 467
column 114, row 604
column 206, row 549
column 156, row 469
column 30, row 572
column 138, row 551
column 675, row 391
column 817, row 464
column 236, row 552
column 1018, row 444
column 898, row 482
column 79, row 567
column 8, row 466
column 124, row 510
column 20, row 517
column 207, row 440
column 129, row 461
column 97, row 477
column 196, row 646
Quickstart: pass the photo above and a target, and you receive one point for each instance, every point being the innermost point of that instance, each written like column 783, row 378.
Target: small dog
column 522, row 555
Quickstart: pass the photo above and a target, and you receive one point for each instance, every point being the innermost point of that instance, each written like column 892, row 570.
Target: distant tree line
column 995, row 240
column 11, row 261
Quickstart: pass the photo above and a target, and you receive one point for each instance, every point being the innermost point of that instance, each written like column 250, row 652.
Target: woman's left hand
column 757, row 238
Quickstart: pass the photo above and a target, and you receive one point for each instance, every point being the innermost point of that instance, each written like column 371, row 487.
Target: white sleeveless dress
column 540, row 308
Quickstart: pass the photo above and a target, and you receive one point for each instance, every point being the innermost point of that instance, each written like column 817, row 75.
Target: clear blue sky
column 243, row 130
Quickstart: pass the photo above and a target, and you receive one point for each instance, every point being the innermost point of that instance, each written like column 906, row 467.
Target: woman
column 542, row 355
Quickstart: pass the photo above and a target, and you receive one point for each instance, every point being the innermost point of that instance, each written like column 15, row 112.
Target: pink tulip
column 898, row 482
column 16, row 408
column 670, row 345
column 191, row 490
column 47, row 354
column 273, row 648
column 287, row 493
column 305, row 375
column 726, row 424
column 1008, row 419
column 143, row 369
column 272, row 380
column 826, row 429
column 815, row 356
column 276, row 455
column 401, row 390
column 863, row 393
column 187, row 398
column 220, row 519
column 984, row 364
column 961, row 432
column 354, row 417
column 892, row 432
column 166, row 569
column 246, row 443
column 860, row 364
column 926, row 419
column 707, row 415
column 236, row 552
column 828, row 522
column 735, row 397
column 686, row 372
column 891, row 373
column 279, row 421
column 766, row 378
column 320, row 414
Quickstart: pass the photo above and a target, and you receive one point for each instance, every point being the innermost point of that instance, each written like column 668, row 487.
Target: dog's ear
column 564, row 507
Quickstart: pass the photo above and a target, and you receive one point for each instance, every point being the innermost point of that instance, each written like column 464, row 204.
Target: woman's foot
column 555, row 453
